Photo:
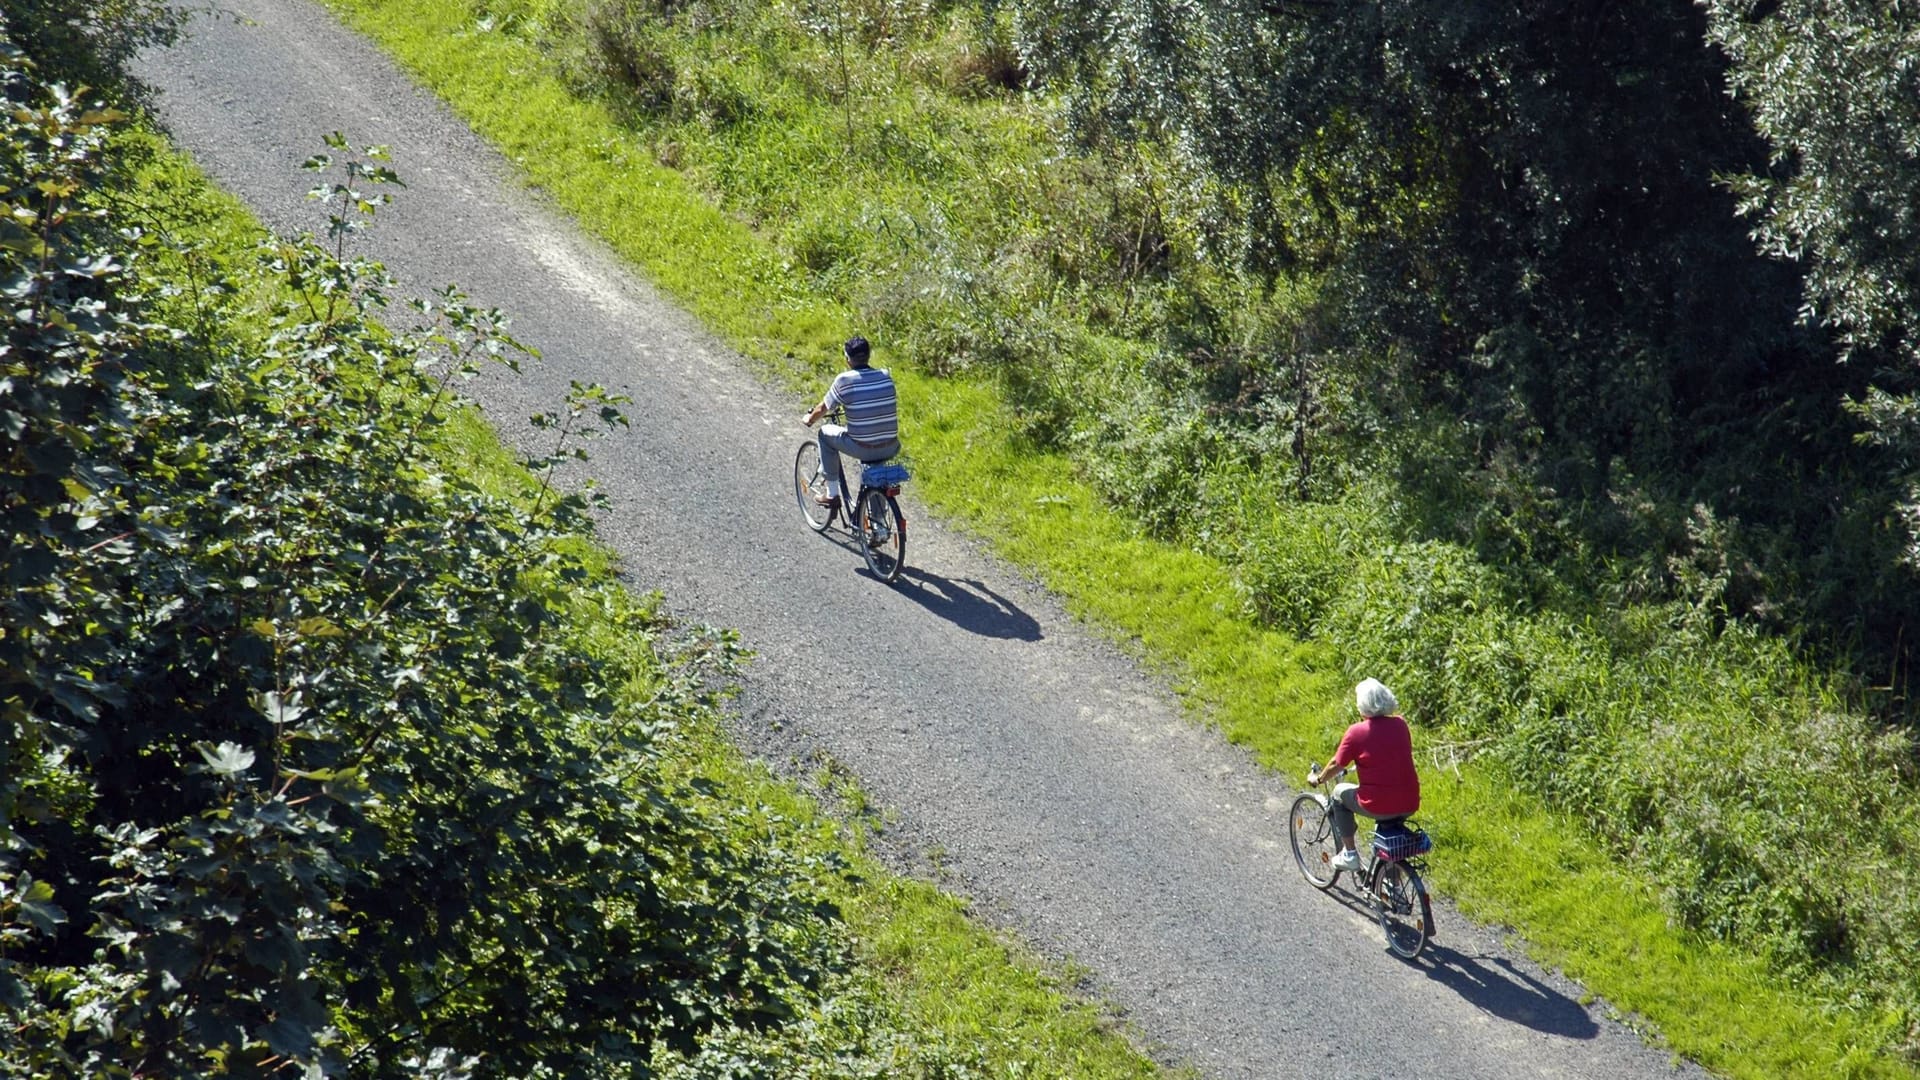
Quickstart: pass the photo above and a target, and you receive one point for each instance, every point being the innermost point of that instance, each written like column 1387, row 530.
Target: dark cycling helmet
column 858, row 350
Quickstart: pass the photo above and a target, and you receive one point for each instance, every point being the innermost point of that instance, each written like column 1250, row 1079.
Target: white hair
column 1374, row 699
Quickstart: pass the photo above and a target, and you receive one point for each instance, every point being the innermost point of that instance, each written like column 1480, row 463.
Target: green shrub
column 1293, row 559
column 987, row 64
column 1402, row 607
column 300, row 730
column 625, row 51
column 828, row 239
column 715, row 95
column 90, row 42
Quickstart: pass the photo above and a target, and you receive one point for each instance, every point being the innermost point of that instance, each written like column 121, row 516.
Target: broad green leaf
column 44, row 916
column 318, row 626
column 227, row 758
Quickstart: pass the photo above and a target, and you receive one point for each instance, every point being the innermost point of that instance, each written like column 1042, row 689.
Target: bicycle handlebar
column 1314, row 767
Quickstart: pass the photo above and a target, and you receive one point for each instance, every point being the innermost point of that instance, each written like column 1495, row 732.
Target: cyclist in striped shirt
column 872, row 431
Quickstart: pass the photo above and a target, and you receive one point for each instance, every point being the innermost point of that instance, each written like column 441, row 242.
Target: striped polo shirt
column 873, row 415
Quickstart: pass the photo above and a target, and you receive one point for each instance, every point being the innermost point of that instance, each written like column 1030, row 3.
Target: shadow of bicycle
column 1495, row 985
column 971, row 605
column 1492, row 984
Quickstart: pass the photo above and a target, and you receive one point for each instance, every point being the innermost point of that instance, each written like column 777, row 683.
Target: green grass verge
column 1281, row 698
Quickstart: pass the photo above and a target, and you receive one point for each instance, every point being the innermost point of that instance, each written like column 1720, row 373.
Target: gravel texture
column 1048, row 778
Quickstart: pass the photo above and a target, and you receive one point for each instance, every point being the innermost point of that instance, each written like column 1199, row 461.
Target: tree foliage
column 91, row 42
column 1534, row 271
column 300, row 769
column 1834, row 86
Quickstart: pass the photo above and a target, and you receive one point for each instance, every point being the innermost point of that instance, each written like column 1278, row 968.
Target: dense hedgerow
column 1636, row 664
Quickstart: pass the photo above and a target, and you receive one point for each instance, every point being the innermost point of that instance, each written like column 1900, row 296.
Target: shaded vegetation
column 1518, row 216
column 1832, row 86
column 90, row 42
column 305, row 765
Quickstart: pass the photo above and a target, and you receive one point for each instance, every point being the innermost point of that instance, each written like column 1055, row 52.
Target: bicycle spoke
column 1401, row 900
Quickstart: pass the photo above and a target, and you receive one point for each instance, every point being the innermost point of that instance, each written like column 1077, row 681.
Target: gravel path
column 1059, row 785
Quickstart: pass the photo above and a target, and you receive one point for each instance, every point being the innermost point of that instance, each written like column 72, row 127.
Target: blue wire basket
column 883, row 476
column 1396, row 843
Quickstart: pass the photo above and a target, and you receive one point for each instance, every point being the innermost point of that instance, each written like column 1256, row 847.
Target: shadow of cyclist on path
column 968, row 604
column 1502, row 989
column 1496, row 987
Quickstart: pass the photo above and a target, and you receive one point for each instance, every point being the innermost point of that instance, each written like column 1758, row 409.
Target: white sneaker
column 1347, row 860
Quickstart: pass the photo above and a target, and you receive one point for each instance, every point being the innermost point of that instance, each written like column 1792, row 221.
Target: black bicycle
column 873, row 516
column 1389, row 872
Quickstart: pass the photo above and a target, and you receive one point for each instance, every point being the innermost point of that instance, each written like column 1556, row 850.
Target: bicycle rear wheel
column 1406, row 913
column 810, row 479
column 882, row 532
column 1313, row 843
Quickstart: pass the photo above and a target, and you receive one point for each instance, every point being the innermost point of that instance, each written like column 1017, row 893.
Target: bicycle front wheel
column 883, row 534
column 1313, row 844
column 810, row 479
column 1406, row 913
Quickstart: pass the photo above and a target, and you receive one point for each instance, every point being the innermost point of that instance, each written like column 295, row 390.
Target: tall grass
column 1689, row 810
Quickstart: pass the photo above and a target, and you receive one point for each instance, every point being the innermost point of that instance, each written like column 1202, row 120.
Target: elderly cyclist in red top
column 872, row 431
column 1382, row 747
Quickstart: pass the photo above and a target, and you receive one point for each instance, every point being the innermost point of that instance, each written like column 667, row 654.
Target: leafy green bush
column 304, row 766
column 614, row 47
column 851, row 1036
column 1293, row 560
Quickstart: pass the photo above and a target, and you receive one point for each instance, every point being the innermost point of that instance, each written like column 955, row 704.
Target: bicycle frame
column 1391, row 886
column 871, row 511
